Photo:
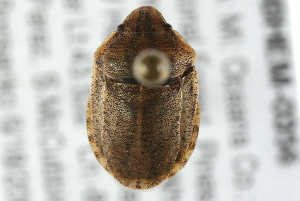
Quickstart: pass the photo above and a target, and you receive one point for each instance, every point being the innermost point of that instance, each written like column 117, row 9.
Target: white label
column 248, row 147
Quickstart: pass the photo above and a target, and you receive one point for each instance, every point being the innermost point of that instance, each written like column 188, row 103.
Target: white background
column 295, row 32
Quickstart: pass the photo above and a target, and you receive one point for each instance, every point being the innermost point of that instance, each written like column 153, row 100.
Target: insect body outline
column 143, row 130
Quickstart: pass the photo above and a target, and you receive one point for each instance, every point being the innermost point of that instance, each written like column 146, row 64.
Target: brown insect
column 143, row 110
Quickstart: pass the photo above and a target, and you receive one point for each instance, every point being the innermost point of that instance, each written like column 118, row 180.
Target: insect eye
column 120, row 27
column 151, row 67
column 167, row 26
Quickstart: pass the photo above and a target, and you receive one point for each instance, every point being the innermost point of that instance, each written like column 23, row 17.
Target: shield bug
column 143, row 110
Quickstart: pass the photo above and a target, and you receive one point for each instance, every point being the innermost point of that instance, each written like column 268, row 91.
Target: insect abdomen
column 140, row 130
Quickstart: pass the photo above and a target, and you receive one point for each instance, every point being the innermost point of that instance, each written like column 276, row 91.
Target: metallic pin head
column 151, row 67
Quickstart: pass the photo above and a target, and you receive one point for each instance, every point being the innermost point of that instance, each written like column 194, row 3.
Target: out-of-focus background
column 248, row 147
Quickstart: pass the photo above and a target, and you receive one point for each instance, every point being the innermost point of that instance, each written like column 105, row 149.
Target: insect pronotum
column 143, row 109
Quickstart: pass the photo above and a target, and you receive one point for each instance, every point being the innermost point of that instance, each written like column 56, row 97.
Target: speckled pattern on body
column 143, row 135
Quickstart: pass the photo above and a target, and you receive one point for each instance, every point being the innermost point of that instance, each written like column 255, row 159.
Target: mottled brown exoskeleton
column 141, row 133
